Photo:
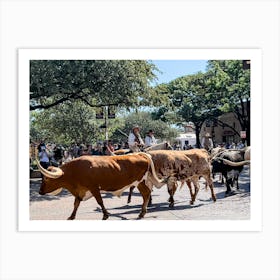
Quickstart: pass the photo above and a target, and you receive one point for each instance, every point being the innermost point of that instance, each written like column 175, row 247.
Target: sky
column 172, row 69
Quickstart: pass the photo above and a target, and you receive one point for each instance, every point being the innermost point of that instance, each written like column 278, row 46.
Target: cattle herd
column 90, row 176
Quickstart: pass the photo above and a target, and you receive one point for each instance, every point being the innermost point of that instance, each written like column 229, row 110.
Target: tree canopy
column 223, row 88
column 65, row 123
column 68, row 93
column 125, row 83
column 232, row 84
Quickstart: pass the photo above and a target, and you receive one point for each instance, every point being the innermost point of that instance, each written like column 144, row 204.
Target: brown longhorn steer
column 87, row 176
column 185, row 166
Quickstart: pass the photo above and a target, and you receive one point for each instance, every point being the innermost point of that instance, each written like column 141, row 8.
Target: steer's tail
column 158, row 183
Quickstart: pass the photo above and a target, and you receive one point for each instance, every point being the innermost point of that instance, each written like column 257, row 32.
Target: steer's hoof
column 171, row 205
column 141, row 215
column 191, row 202
column 105, row 215
column 230, row 193
column 71, row 218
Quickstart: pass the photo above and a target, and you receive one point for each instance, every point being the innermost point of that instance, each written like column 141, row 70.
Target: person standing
column 135, row 141
column 66, row 157
column 110, row 148
column 207, row 142
column 150, row 139
column 41, row 145
column 44, row 158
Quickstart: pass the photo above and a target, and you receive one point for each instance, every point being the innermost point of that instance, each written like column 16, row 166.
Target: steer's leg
column 130, row 193
column 171, row 197
column 171, row 187
column 189, row 184
column 211, row 185
column 236, row 180
column 196, row 189
column 99, row 200
column 228, row 191
column 76, row 205
column 146, row 193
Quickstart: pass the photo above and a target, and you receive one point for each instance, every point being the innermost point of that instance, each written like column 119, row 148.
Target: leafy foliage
column 190, row 96
column 95, row 82
column 232, row 82
column 66, row 123
column 69, row 90
column 225, row 87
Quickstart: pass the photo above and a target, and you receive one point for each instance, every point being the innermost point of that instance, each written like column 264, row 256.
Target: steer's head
column 51, row 180
column 168, row 146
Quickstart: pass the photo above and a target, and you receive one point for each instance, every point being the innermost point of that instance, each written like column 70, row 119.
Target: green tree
column 125, row 83
column 66, row 123
column 231, row 82
column 191, row 97
column 225, row 87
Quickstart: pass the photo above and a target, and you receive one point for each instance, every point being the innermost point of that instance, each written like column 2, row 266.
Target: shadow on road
column 155, row 208
column 243, row 181
column 34, row 195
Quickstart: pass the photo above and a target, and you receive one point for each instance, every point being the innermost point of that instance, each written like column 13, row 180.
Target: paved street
column 235, row 207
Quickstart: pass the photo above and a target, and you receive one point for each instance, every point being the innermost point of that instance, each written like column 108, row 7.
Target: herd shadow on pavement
column 155, row 208
column 244, row 184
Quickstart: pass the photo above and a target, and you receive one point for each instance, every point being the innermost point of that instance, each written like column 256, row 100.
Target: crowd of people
column 56, row 154
column 53, row 154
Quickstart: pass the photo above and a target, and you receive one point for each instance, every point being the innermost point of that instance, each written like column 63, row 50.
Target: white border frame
column 255, row 222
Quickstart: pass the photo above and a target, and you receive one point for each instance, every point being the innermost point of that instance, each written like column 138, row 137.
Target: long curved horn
column 49, row 174
column 55, row 192
column 231, row 163
column 247, row 155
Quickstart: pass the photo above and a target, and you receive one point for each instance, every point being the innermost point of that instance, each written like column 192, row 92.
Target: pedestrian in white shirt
column 44, row 158
column 150, row 139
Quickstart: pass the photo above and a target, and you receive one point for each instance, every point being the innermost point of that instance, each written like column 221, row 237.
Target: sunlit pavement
column 234, row 207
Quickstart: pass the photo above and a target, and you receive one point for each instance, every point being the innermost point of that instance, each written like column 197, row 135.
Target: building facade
column 227, row 133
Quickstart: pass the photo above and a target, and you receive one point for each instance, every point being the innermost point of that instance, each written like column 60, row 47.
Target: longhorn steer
column 215, row 152
column 200, row 167
column 185, row 166
column 230, row 164
column 86, row 176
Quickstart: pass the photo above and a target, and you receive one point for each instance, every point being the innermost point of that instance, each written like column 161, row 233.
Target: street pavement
column 234, row 207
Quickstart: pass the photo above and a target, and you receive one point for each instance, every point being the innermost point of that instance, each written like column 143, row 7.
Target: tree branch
column 227, row 125
column 59, row 101
column 41, row 106
column 99, row 105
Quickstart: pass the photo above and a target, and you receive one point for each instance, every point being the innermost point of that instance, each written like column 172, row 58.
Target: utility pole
column 106, row 124
column 106, row 112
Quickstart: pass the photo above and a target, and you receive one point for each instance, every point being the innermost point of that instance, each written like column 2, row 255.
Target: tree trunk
column 197, row 132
